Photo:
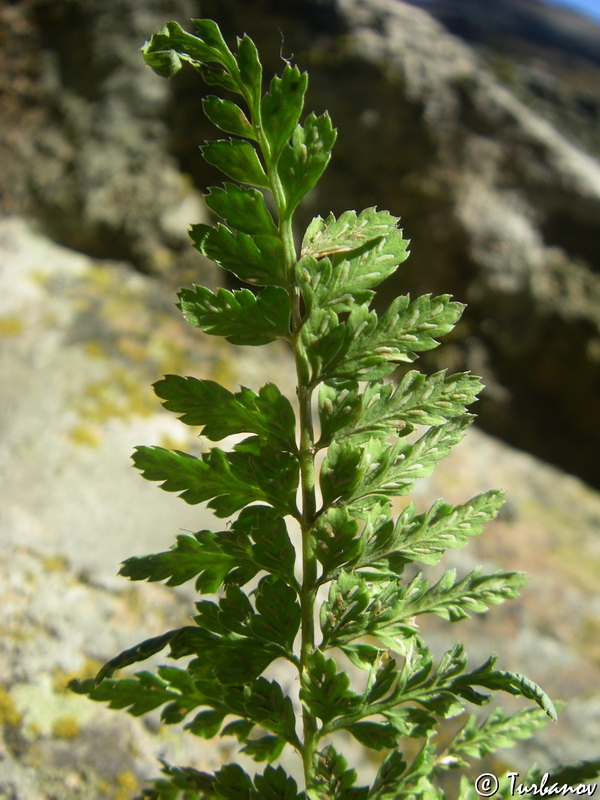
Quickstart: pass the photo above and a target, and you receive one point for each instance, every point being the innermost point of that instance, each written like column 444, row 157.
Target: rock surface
column 83, row 136
column 85, row 340
column 546, row 53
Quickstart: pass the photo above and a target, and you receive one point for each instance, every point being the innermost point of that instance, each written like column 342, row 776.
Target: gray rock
column 84, row 138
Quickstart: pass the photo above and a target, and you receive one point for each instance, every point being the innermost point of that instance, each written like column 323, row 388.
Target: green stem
column 306, row 454
column 309, row 560
column 308, row 511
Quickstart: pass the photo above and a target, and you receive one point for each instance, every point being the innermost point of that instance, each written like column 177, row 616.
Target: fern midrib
column 306, row 458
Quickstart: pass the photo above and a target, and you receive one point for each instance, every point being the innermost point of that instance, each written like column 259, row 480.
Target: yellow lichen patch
column 86, row 435
column 66, row 728
column 578, row 562
column 118, row 396
column 34, row 731
column 223, row 372
column 55, row 563
column 590, row 638
column 169, row 442
column 50, row 319
column 8, row 711
column 102, row 277
column 40, row 276
column 162, row 260
column 127, row 784
column 570, row 547
column 11, row 325
column 94, row 348
column 133, row 349
column 42, row 707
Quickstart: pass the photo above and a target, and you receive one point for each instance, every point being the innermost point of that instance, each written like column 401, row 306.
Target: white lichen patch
column 45, row 711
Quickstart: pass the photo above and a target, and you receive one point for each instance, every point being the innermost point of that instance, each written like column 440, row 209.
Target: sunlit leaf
column 223, row 413
column 479, row 738
column 376, row 344
column 344, row 259
column 374, row 470
column 281, row 107
column 374, row 735
column 258, row 260
column 241, row 208
column 197, row 556
column 279, row 612
column 228, row 116
column 275, row 784
column 240, row 316
column 167, row 48
column 250, row 70
column 228, row 481
column 304, row 159
column 383, row 407
column 424, row 537
column 326, row 691
column 238, row 159
column 333, row 779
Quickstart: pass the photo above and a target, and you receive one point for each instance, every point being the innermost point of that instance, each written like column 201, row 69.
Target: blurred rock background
column 478, row 124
